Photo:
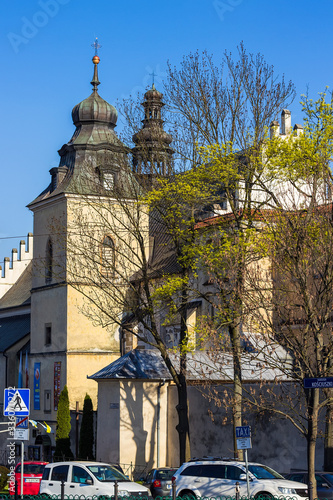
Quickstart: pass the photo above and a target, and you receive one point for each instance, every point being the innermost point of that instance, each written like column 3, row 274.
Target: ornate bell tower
column 152, row 155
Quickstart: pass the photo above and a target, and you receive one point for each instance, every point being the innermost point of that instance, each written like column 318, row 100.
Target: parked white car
column 88, row 479
column 218, row 478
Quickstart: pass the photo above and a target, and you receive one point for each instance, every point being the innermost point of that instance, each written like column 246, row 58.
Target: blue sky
column 46, row 59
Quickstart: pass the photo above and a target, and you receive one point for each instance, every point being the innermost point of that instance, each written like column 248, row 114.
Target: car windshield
column 31, row 468
column 328, row 477
column 106, row 473
column 263, row 472
column 165, row 475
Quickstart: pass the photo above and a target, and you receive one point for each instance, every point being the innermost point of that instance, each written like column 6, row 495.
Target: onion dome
column 94, row 108
column 153, row 93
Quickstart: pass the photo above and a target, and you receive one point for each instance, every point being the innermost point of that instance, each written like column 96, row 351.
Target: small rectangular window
column 47, row 401
column 48, row 334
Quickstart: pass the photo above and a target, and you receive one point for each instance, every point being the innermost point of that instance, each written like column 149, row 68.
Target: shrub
column 3, row 476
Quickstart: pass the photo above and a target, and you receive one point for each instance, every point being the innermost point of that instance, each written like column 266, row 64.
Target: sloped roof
column 143, row 364
column 13, row 329
column 19, row 294
column 136, row 364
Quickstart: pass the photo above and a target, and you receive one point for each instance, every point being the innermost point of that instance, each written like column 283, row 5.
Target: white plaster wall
column 14, row 266
column 127, row 423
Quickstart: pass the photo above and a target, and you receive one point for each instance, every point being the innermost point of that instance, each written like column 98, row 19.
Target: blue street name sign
column 243, row 432
column 16, row 402
column 315, row 383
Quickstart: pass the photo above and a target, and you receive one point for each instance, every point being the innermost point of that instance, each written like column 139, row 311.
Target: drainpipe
column 161, row 384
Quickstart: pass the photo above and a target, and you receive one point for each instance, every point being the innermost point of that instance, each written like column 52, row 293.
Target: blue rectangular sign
column 243, row 432
column 16, row 402
column 318, row 383
column 37, row 386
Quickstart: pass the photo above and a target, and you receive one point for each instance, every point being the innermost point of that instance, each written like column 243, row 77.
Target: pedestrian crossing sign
column 17, row 402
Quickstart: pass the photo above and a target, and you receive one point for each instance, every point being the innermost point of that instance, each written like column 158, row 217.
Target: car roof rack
column 212, row 459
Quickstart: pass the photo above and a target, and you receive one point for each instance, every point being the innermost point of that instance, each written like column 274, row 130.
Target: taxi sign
column 243, row 436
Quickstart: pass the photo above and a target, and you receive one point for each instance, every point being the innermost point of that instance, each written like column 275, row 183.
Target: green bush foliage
column 86, row 443
column 3, row 476
column 63, row 446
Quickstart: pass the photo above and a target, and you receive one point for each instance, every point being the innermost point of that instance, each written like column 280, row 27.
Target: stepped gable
column 19, row 294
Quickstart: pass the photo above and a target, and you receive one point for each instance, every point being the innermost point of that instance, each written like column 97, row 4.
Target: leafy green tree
column 63, row 446
column 86, row 443
column 287, row 279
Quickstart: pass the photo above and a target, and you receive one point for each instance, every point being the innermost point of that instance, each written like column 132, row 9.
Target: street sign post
column 243, row 436
column 21, row 431
column 318, row 383
column 16, row 402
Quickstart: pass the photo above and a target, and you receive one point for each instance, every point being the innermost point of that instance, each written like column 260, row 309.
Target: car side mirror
column 242, row 477
column 89, row 481
column 325, row 485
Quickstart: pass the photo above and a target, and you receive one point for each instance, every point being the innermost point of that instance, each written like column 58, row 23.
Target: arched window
column 108, row 257
column 48, row 261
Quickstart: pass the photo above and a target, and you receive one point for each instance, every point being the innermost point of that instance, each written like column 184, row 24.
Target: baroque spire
column 95, row 81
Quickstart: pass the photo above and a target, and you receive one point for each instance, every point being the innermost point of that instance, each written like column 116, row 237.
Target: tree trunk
column 182, row 407
column 313, row 408
column 234, row 332
column 328, row 452
column 183, row 424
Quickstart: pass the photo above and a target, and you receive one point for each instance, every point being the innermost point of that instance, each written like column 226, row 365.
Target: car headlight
column 287, row 491
column 123, row 493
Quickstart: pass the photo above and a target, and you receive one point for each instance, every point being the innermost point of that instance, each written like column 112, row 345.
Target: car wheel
column 263, row 495
column 188, row 495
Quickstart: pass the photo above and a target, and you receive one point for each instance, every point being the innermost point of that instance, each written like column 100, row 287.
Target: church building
column 49, row 332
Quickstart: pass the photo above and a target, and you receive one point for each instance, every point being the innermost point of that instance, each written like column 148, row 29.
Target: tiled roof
column 13, row 329
column 19, row 294
column 136, row 364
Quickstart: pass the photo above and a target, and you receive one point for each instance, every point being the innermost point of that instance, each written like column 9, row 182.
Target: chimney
column 274, row 129
column 298, row 129
column 285, row 122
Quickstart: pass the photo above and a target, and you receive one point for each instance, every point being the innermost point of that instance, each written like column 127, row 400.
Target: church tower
column 152, row 154
column 66, row 346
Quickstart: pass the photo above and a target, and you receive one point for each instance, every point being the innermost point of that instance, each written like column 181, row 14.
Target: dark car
column 324, row 482
column 159, row 481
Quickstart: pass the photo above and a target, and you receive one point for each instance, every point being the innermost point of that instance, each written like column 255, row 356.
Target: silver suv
column 219, row 478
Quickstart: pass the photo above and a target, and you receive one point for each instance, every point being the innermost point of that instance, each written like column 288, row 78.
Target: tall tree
column 287, row 292
column 63, row 446
column 86, row 442
column 226, row 108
